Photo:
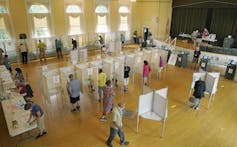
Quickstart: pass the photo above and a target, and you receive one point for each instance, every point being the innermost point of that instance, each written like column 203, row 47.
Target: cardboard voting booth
column 108, row 68
column 138, row 63
column 64, row 74
column 211, row 79
column 154, row 106
column 83, row 56
column 147, row 54
column 74, row 56
column 88, row 75
column 51, row 83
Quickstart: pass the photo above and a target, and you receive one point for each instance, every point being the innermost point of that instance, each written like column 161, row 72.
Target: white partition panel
column 108, row 68
column 147, row 55
column 83, row 55
column 145, row 103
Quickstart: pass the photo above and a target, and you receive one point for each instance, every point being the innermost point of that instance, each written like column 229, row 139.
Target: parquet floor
column 215, row 127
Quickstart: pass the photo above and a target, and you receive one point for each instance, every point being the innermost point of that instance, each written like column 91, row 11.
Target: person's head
column 21, row 43
column 6, row 56
column 201, row 79
column 197, row 48
column 145, row 62
column 121, row 105
column 71, row 77
column 39, row 40
column 100, row 70
column 108, row 83
column 18, row 70
column 27, row 106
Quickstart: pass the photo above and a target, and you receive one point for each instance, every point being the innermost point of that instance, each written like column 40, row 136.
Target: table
column 208, row 39
column 13, row 106
column 15, row 115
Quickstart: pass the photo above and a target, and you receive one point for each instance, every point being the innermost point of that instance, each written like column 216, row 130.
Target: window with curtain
column 124, row 13
column 4, row 26
column 102, row 22
column 74, row 14
column 40, row 19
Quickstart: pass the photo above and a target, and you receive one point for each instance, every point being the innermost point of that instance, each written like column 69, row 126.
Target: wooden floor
column 215, row 127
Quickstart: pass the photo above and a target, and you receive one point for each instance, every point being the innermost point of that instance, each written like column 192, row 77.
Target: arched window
column 124, row 15
column 101, row 9
column 102, row 18
column 40, row 19
column 123, row 9
column 5, row 27
column 38, row 9
column 73, row 9
column 74, row 15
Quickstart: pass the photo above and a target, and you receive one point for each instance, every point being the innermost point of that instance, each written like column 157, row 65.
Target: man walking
column 117, row 125
column 73, row 89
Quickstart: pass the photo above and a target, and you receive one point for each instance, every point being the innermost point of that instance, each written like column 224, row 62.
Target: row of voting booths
column 53, row 78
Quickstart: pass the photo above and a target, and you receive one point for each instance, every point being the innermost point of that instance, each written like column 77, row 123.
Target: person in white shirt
column 23, row 50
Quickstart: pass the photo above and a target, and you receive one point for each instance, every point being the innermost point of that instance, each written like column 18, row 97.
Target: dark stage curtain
column 187, row 20
column 224, row 23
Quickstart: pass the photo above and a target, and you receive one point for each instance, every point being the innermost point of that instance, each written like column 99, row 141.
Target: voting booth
column 108, row 68
column 172, row 59
column 83, row 56
column 147, row 54
column 138, row 63
column 64, row 74
column 51, row 83
column 74, row 55
column 115, row 46
column 154, row 106
column 211, row 79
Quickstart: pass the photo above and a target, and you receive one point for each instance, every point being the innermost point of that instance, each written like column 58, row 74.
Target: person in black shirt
column 196, row 56
column 199, row 89
column 126, row 77
column 74, row 44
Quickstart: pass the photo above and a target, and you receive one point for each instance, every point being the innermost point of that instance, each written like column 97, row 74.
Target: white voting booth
column 108, row 68
column 138, row 63
column 211, row 79
column 154, row 106
column 129, row 61
column 74, row 56
column 64, row 74
column 83, row 56
column 147, row 54
column 115, row 46
column 51, row 83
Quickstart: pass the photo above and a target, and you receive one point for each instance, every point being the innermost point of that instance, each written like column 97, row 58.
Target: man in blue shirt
column 38, row 116
column 73, row 88
column 58, row 45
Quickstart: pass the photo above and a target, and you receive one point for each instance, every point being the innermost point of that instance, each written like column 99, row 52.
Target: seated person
column 19, row 75
column 199, row 89
column 205, row 33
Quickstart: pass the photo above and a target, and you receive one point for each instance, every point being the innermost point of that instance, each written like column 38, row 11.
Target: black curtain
column 187, row 20
column 224, row 23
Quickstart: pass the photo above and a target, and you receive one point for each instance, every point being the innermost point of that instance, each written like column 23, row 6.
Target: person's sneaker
column 196, row 108
column 109, row 144
column 78, row 107
column 73, row 110
column 103, row 119
column 125, row 143
column 38, row 136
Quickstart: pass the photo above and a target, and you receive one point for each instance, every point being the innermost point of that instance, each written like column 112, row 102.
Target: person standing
column 58, row 45
column 199, row 89
column 135, row 37
column 146, row 72
column 73, row 88
column 126, row 77
column 101, row 83
column 74, row 44
column 196, row 56
column 161, row 66
column 122, row 38
column 42, row 47
column 23, row 49
column 116, row 126
column 108, row 100
column 1, row 56
column 38, row 116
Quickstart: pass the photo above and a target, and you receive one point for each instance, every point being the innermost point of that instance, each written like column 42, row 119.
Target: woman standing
column 108, row 101
column 146, row 72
